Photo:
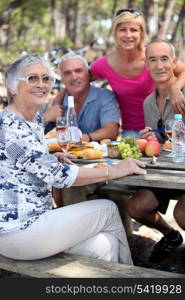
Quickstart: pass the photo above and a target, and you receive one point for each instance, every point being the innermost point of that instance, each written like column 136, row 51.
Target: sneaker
column 165, row 246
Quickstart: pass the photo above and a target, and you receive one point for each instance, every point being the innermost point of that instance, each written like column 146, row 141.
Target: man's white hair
column 73, row 55
column 172, row 48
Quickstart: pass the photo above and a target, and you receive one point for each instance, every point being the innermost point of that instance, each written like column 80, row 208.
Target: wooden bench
column 74, row 266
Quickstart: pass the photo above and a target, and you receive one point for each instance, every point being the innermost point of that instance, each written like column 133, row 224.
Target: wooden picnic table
column 163, row 174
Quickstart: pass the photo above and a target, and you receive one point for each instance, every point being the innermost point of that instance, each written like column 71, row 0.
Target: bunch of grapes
column 128, row 148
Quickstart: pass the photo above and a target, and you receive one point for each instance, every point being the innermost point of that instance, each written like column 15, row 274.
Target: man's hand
column 144, row 133
column 52, row 113
column 177, row 100
column 58, row 100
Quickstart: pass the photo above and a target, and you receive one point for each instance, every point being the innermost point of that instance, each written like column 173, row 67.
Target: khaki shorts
column 164, row 196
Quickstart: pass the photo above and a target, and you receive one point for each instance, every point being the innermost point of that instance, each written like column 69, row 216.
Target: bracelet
column 90, row 137
column 107, row 174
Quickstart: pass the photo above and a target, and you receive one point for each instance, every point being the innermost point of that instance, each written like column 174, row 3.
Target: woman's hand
column 65, row 157
column 144, row 133
column 127, row 167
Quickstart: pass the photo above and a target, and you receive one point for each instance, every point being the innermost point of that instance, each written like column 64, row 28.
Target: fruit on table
column 128, row 148
column 142, row 144
column 153, row 148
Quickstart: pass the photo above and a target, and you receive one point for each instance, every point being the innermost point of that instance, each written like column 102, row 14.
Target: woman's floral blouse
column 27, row 172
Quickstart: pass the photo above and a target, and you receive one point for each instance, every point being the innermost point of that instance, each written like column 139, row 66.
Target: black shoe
column 165, row 246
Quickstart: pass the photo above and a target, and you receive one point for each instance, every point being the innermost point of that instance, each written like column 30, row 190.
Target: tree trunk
column 148, row 11
column 5, row 17
column 132, row 3
column 165, row 18
column 180, row 21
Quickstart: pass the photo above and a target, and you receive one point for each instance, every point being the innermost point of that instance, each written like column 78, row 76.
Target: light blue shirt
column 99, row 108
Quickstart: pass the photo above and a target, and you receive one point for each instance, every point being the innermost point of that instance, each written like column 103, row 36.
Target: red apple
column 151, row 138
column 142, row 144
column 153, row 148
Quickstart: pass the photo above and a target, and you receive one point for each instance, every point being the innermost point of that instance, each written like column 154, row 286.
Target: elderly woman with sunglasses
column 29, row 227
column 126, row 71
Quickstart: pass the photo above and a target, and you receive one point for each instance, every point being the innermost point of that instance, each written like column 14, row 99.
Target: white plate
column 50, row 141
column 93, row 165
column 168, row 150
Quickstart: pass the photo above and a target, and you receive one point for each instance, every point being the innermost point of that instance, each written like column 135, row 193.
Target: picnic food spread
column 54, row 147
column 78, row 149
column 92, row 154
column 167, row 145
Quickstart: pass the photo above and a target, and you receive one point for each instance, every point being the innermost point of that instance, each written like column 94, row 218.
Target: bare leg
column 142, row 207
column 57, row 196
column 179, row 211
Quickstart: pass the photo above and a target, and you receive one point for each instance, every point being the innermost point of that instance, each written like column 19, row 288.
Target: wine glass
column 64, row 135
column 61, row 123
column 168, row 128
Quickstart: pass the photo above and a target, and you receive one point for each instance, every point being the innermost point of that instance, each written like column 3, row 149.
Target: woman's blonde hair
column 127, row 16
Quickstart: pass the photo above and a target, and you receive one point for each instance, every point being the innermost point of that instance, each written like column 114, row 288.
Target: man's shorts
column 164, row 196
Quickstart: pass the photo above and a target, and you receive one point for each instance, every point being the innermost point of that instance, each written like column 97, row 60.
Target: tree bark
column 165, row 18
column 5, row 17
column 180, row 20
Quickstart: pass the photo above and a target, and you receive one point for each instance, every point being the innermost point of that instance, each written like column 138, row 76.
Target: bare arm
column 109, row 131
column 176, row 95
column 54, row 109
column 52, row 113
column 125, row 167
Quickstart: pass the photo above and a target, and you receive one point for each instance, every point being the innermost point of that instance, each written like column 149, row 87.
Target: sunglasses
column 33, row 79
column 136, row 12
column 160, row 125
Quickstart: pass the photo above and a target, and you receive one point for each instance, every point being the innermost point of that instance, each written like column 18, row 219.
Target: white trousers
column 91, row 228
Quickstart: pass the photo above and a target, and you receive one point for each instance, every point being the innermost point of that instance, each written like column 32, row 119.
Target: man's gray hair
column 172, row 48
column 72, row 55
column 17, row 68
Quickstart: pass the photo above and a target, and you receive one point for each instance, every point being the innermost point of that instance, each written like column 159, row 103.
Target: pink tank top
column 130, row 92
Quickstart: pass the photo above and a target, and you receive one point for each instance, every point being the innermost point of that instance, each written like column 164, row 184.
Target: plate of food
column 167, row 146
column 85, row 151
column 100, row 164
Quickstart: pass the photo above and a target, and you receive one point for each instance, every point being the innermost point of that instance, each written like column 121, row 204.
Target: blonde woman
column 126, row 72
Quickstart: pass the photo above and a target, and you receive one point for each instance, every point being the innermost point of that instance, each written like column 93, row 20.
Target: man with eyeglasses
column 146, row 204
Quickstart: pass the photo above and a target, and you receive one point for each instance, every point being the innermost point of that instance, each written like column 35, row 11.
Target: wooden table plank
column 169, row 179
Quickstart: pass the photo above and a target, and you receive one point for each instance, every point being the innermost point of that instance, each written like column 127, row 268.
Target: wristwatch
column 90, row 137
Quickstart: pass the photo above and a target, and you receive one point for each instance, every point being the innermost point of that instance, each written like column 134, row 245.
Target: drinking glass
column 168, row 128
column 61, row 124
column 64, row 135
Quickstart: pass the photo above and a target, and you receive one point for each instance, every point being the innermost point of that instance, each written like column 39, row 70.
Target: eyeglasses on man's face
column 136, row 12
column 35, row 79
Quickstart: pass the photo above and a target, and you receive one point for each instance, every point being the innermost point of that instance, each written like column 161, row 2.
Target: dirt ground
column 144, row 238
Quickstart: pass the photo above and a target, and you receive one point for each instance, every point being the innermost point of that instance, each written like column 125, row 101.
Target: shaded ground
column 143, row 239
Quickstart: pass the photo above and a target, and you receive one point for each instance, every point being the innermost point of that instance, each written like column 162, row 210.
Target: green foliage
column 30, row 27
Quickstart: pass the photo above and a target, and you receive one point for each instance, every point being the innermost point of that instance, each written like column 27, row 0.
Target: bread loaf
column 54, row 147
column 92, row 154
column 51, row 134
